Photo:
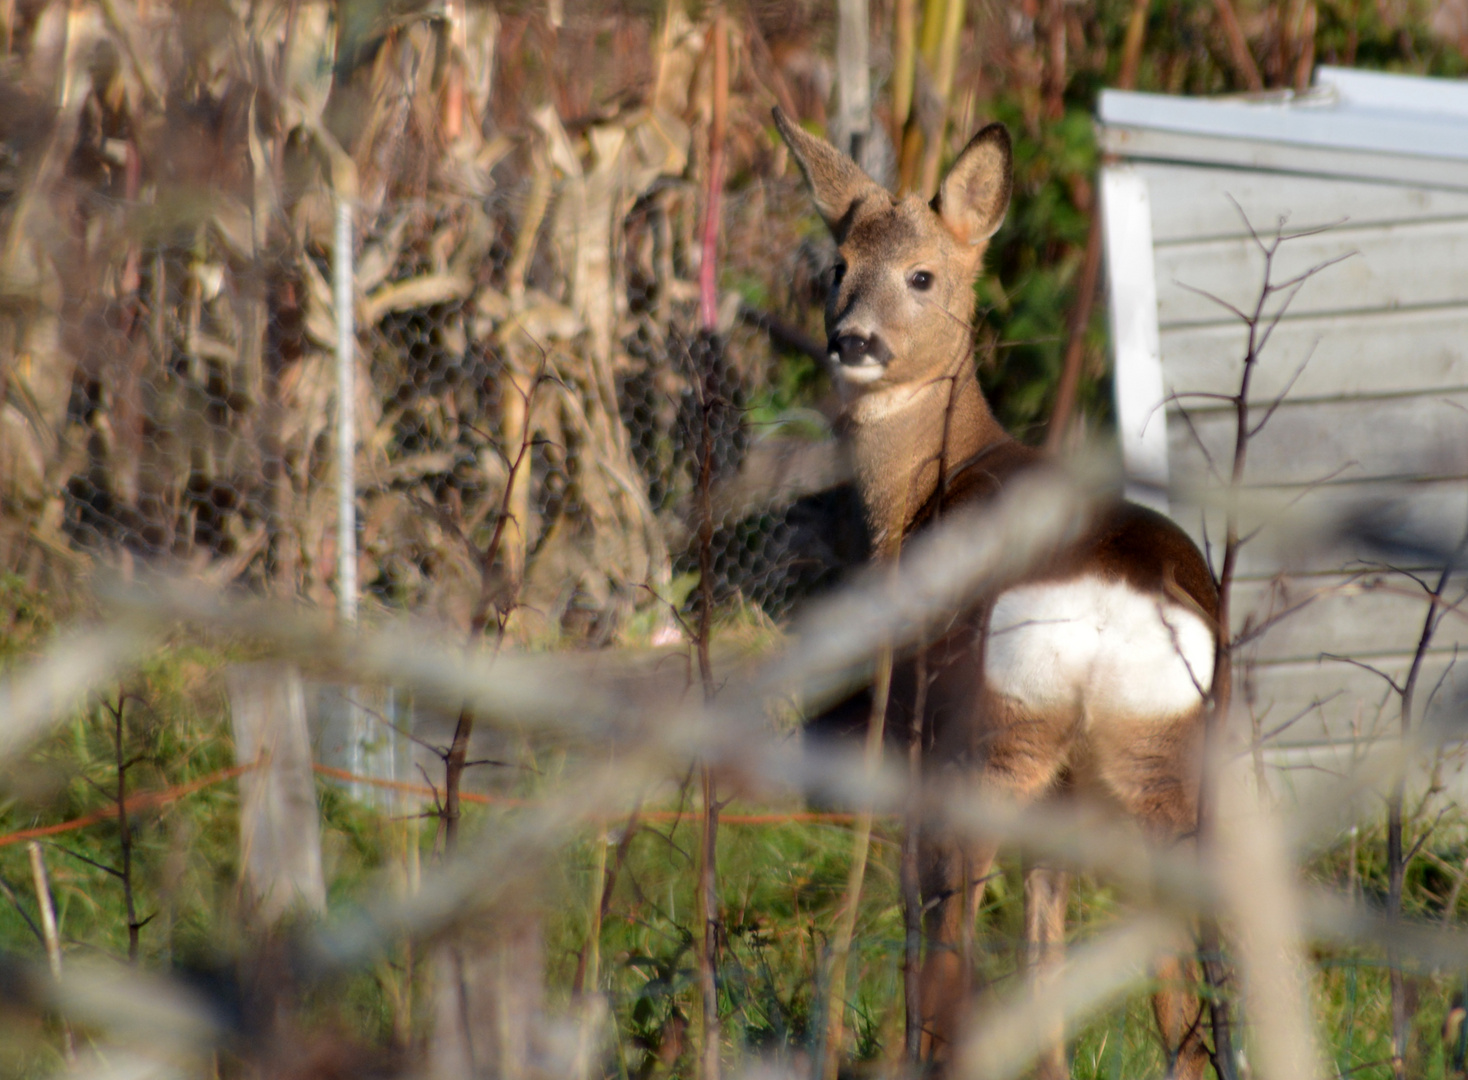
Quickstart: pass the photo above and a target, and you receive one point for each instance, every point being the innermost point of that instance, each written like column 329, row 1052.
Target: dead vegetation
column 558, row 356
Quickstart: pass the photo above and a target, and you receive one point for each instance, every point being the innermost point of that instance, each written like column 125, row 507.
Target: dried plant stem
column 591, row 976
column 515, row 426
column 946, row 66
column 453, row 779
column 501, row 570
column 932, row 36
column 1080, row 316
column 856, row 876
column 1304, row 48
column 702, row 380
column 1131, row 50
column 125, row 836
column 49, row 931
column 1075, row 345
column 1256, row 881
column 406, row 836
column 904, row 64
column 708, row 264
column 449, row 76
column 1053, row 78
column 604, row 883
column 912, row 901
column 1215, row 971
column 1396, row 864
column 708, row 892
column 910, row 154
column 708, row 346
column 1220, row 1008
column 1238, row 46
column 499, row 587
column 536, row 204
column 1396, row 855
column 708, row 882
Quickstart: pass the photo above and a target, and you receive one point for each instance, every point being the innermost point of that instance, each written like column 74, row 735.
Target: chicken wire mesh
column 527, row 314
column 188, row 452
column 536, row 400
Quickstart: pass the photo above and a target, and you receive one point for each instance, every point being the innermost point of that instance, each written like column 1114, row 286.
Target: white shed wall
column 1379, row 409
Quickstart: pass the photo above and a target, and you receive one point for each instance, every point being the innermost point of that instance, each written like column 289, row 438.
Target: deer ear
column 836, row 182
column 975, row 194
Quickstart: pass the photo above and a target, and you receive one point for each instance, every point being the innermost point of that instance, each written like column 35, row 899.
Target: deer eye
column 838, row 274
column 922, row 281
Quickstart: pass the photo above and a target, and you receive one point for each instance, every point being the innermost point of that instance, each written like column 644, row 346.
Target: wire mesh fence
column 540, row 395
column 183, row 443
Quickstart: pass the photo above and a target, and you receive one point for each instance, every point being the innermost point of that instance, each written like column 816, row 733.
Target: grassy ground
column 781, row 886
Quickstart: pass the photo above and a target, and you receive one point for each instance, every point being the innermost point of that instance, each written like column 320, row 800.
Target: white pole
column 346, row 434
column 853, row 75
column 1141, row 393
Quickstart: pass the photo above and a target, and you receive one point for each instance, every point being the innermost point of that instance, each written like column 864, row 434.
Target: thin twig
column 9, row 892
column 50, row 933
column 1221, row 695
column 125, row 836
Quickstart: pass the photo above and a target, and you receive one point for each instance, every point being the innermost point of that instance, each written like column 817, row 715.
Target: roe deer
column 1087, row 676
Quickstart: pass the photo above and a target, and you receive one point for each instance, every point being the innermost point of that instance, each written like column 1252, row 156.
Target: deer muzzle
column 857, row 350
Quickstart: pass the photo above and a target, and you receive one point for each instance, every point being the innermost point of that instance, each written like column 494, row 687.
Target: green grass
column 781, row 887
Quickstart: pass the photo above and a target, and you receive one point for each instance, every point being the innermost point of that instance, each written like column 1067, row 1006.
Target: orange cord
column 134, row 802
column 146, row 799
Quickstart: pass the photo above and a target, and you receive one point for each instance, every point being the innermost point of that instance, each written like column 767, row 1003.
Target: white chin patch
column 859, row 374
column 1098, row 648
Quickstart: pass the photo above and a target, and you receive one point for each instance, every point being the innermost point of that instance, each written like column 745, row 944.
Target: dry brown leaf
column 541, row 319
column 308, row 65
column 233, row 224
column 424, row 291
column 380, row 255
column 22, row 461
column 319, row 306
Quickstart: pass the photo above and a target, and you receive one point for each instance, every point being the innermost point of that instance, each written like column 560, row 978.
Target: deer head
column 897, row 317
column 901, row 296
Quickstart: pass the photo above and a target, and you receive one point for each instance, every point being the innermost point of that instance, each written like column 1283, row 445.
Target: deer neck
column 903, row 440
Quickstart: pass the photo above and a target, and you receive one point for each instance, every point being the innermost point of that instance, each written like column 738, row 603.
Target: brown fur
column 922, row 440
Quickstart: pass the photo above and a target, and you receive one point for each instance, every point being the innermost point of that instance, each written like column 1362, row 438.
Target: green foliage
column 1380, row 37
column 781, row 887
column 185, row 861
column 25, row 617
column 1034, row 261
column 185, row 852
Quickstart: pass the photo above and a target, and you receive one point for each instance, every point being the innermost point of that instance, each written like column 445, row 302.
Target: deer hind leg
column 1180, row 1017
column 1153, row 770
column 1017, row 755
column 952, row 878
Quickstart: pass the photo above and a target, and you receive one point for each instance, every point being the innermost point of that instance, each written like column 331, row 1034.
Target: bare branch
column 1205, row 294
column 1290, row 385
column 1396, row 686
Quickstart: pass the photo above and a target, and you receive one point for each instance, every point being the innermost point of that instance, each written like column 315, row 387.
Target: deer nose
column 854, row 349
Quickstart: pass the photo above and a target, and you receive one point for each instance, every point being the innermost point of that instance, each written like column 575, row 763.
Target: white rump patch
column 1098, row 648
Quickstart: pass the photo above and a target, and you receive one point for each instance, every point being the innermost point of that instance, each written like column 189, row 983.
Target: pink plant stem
column 708, row 295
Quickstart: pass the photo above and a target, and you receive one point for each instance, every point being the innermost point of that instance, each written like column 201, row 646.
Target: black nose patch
column 853, row 349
